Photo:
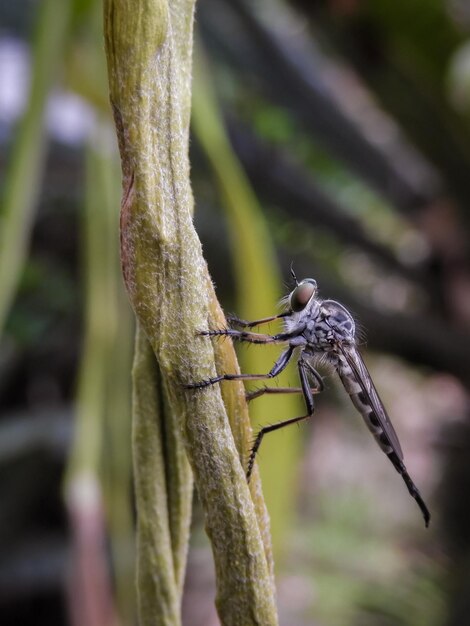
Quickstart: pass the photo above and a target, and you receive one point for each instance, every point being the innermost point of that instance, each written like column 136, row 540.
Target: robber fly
column 321, row 331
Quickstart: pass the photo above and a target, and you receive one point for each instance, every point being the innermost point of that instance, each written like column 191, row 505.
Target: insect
column 319, row 331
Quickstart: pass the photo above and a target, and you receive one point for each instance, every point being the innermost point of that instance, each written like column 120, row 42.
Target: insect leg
column 243, row 335
column 317, row 387
column 320, row 386
column 235, row 321
column 308, row 395
column 252, row 395
column 277, row 368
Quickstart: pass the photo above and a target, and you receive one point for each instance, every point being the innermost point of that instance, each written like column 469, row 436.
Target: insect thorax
column 331, row 325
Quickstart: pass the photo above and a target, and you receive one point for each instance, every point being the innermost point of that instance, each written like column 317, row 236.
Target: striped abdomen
column 364, row 406
column 357, row 382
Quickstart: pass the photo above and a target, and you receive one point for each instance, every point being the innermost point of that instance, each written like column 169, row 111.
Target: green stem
column 148, row 47
column 159, row 582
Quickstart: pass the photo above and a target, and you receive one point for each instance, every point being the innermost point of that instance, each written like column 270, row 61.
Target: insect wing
column 363, row 378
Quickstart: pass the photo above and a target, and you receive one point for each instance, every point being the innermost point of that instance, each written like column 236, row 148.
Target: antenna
column 293, row 273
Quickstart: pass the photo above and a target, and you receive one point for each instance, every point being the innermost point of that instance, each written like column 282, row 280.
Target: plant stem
column 148, row 47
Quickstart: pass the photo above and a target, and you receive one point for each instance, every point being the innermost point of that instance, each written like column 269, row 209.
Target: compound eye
column 302, row 295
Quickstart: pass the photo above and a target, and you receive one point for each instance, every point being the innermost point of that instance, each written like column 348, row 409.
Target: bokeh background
column 331, row 134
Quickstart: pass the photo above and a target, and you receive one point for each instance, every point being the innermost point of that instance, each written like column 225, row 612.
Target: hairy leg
column 235, row 321
column 308, row 396
column 277, row 368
